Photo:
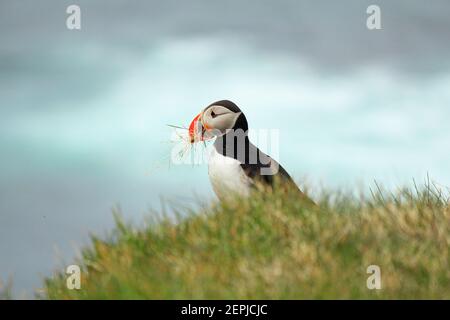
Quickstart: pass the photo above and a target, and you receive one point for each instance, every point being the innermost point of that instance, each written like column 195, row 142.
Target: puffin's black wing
column 266, row 173
column 261, row 167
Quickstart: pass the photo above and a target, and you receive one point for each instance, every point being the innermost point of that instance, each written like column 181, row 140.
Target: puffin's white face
column 219, row 118
column 214, row 121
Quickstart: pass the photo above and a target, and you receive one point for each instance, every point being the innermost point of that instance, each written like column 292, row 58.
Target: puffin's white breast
column 227, row 176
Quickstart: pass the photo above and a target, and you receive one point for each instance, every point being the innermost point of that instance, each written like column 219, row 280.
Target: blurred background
column 83, row 113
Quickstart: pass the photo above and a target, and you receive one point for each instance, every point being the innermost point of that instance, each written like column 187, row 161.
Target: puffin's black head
column 216, row 119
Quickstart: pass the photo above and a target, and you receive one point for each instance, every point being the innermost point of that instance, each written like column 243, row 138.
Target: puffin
column 235, row 165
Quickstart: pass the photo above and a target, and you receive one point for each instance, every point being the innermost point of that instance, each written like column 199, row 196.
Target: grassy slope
column 272, row 246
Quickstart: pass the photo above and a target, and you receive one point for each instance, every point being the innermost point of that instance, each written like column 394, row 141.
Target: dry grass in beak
column 167, row 160
column 182, row 136
column 177, row 127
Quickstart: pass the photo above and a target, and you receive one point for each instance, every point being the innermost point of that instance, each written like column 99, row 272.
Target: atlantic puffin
column 235, row 165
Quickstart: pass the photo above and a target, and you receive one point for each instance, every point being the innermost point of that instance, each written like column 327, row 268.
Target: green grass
column 5, row 290
column 273, row 246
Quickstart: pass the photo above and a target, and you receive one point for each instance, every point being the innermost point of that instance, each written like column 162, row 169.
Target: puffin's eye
column 213, row 114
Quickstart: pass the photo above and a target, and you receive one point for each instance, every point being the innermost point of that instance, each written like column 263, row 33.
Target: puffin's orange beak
column 196, row 129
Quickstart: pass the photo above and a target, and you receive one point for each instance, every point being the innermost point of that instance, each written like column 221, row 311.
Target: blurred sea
column 83, row 114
